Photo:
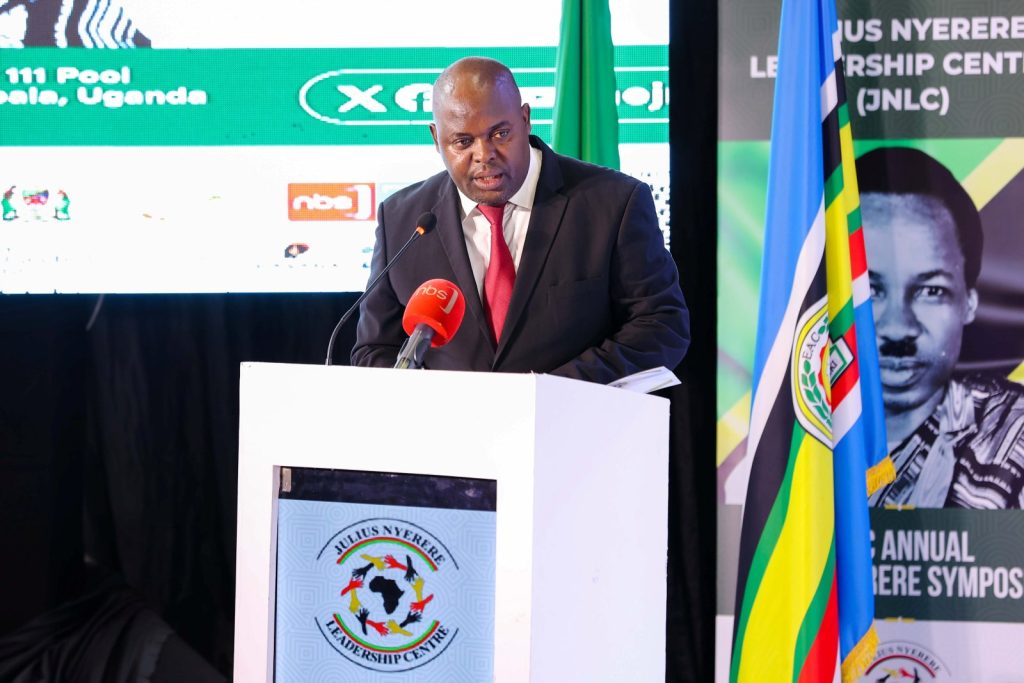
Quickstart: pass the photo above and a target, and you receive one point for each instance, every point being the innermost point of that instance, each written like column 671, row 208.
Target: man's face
column 920, row 298
column 483, row 138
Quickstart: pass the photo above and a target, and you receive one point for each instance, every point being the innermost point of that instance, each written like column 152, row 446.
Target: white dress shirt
column 516, row 220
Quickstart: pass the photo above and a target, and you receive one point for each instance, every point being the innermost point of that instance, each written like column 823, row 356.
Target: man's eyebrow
column 938, row 272
column 498, row 126
column 459, row 134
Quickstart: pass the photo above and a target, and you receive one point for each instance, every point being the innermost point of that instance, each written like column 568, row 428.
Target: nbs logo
column 446, row 298
column 331, row 202
column 395, row 582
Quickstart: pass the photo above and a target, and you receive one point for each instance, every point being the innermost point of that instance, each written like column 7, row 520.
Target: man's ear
column 526, row 118
column 972, row 306
column 433, row 134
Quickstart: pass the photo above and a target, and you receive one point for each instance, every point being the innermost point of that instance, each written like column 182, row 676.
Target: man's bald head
column 471, row 76
column 481, row 128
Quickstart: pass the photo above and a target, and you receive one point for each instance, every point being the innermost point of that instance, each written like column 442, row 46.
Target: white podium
column 581, row 475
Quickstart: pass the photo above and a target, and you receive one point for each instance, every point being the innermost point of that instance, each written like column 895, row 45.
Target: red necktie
column 501, row 272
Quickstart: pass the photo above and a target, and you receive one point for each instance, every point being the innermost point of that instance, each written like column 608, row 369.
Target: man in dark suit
column 561, row 262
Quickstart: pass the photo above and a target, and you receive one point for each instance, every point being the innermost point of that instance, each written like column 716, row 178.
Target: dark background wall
column 118, row 443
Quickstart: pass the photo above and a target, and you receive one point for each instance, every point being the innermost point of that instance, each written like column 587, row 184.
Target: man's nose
column 898, row 321
column 483, row 150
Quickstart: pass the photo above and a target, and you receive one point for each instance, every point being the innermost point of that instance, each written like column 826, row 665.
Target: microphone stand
column 410, row 357
column 369, row 288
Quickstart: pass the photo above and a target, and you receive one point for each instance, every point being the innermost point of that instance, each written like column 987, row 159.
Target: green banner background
column 253, row 95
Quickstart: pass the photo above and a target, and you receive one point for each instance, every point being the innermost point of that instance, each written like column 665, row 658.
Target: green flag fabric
column 585, row 122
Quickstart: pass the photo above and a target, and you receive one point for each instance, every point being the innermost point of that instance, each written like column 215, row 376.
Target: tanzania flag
column 586, row 120
column 804, row 598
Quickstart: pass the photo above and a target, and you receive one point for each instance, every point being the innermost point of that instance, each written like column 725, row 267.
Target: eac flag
column 804, row 600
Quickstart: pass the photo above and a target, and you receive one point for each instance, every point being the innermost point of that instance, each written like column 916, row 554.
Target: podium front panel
column 572, row 464
column 393, row 572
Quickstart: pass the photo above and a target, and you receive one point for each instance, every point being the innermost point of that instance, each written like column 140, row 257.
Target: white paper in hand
column 647, row 381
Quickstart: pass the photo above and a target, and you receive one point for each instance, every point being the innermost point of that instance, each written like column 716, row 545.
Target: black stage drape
column 693, row 131
column 119, row 424
column 165, row 393
column 118, row 452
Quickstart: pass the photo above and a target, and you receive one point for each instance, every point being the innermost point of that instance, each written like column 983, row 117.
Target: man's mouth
column 489, row 181
column 899, row 373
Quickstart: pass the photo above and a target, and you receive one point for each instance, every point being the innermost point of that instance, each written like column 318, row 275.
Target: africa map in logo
column 393, row 581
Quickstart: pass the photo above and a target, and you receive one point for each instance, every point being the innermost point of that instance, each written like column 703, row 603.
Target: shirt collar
column 524, row 195
column 956, row 412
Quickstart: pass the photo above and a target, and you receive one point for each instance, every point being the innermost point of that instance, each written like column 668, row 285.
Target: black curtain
column 119, row 443
column 43, row 439
column 693, row 131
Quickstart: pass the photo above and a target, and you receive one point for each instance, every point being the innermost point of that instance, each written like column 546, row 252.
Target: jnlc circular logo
column 905, row 662
column 393, row 577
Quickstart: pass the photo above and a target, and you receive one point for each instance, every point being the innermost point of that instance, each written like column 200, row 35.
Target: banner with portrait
column 934, row 88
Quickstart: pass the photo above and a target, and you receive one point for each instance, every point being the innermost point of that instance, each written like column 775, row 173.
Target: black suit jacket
column 596, row 295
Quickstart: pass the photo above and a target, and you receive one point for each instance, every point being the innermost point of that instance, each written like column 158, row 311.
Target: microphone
column 424, row 224
column 432, row 317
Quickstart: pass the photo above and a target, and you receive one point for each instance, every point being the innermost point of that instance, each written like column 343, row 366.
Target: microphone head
column 425, row 223
column 439, row 304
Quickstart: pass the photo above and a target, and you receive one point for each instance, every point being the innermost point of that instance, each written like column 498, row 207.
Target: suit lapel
column 545, row 219
column 453, row 240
